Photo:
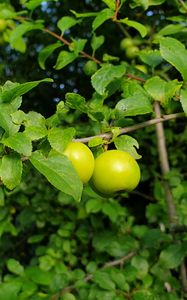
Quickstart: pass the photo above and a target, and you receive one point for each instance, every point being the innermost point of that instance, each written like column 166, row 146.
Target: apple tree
column 107, row 75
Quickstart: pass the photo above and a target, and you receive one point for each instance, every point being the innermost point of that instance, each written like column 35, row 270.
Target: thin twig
column 132, row 76
column 66, row 42
column 145, row 196
column 183, row 276
column 107, row 136
column 89, row 277
column 120, row 261
column 123, row 30
column 117, row 10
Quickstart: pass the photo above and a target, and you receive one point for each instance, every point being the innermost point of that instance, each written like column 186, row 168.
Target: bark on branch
column 89, row 277
column 108, row 136
column 165, row 168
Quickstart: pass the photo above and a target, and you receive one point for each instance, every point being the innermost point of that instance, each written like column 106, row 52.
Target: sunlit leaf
column 59, row 172
column 103, row 16
column 138, row 26
column 46, row 52
column 175, row 53
column 105, row 75
column 11, row 170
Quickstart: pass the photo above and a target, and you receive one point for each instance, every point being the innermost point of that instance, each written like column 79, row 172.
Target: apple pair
column 111, row 171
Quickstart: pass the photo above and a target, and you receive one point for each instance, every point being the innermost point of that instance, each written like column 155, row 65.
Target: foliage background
column 122, row 247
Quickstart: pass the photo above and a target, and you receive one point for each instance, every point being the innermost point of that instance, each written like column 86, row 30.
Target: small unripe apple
column 3, row 24
column 125, row 43
column 114, row 171
column 131, row 52
column 82, row 159
column 90, row 67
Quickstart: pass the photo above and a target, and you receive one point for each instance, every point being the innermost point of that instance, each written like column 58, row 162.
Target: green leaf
column 28, row 289
column 84, row 15
column 64, row 59
column 103, row 16
column 141, row 265
column 23, row 28
column 117, row 246
column 35, row 238
column 138, row 26
column 77, row 45
column 128, row 144
column 97, row 41
column 144, row 294
column 39, row 276
column 173, row 256
column 137, row 104
column 155, row 86
column 105, row 75
column 161, row 90
column 151, row 57
column 2, row 197
column 76, row 101
column 59, row 172
column 11, row 170
column 109, row 209
column 20, row 45
column 175, row 53
column 119, row 278
column 7, row 11
column 96, row 141
column 68, row 296
column 10, row 290
column 183, row 100
column 94, row 205
column 109, row 58
column 35, row 126
column 59, row 138
column 19, row 142
column 171, row 29
column 7, row 124
column 146, row 3
column 110, row 3
column 46, row 262
column 154, row 237
column 46, row 52
column 18, row 117
column 15, row 267
column 32, row 4
column 103, row 280
column 12, row 91
column 65, row 23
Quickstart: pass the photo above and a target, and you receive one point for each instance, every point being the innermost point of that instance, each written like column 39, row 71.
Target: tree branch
column 89, row 277
column 84, row 54
column 66, row 42
column 108, row 136
column 132, row 76
column 120, row 261
column 183, row 276
column 164, row 164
